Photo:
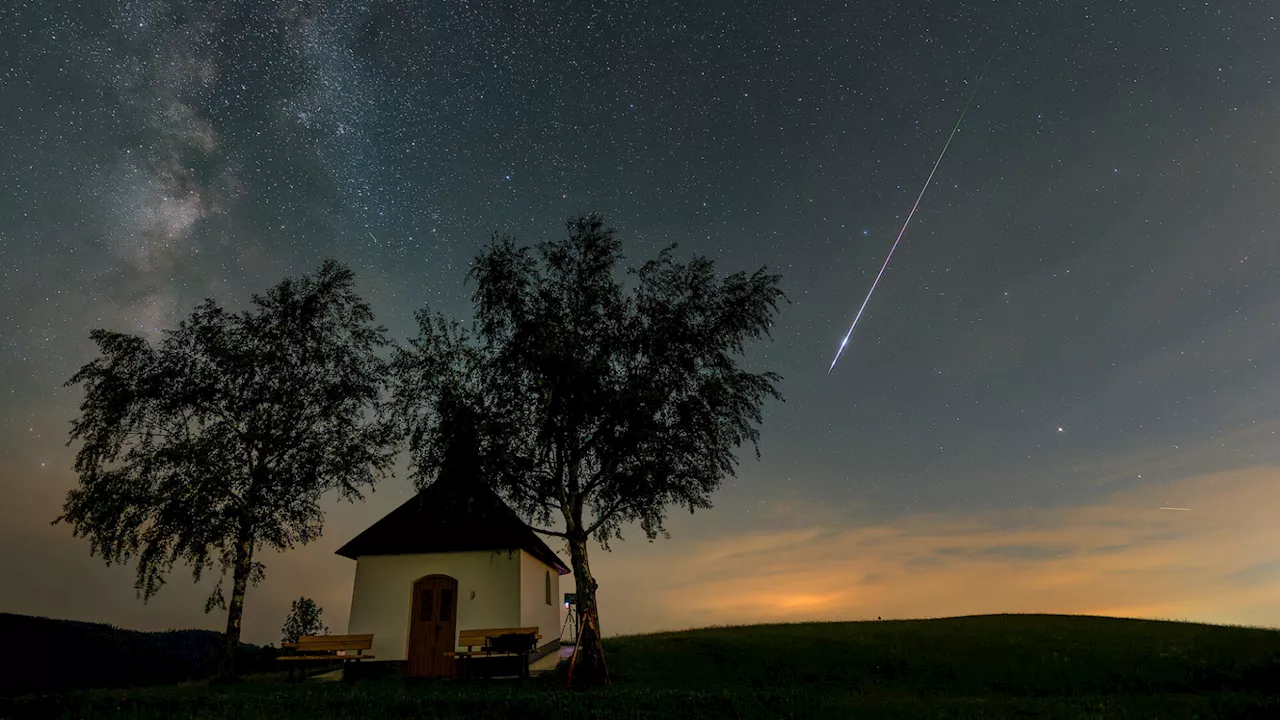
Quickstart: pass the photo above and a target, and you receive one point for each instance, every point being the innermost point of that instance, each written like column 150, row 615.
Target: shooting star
column 903, row 231
column 1175, row 509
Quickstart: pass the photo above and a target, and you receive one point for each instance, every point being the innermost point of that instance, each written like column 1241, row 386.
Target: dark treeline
column 61, row 655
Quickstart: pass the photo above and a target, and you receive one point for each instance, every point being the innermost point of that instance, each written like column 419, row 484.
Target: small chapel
column 453, row 558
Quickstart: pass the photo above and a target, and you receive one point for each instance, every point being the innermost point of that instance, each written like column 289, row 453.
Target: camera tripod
column 570, row 621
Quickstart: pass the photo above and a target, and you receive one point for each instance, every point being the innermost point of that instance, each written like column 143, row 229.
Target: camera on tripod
column 571, row 617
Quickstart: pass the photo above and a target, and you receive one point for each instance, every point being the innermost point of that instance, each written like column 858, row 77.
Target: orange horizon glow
column 1122, row 558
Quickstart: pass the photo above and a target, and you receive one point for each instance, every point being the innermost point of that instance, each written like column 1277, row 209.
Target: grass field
column 981, row 667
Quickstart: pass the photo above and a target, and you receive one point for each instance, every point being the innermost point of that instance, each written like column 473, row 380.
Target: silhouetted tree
column 304, row 619
column 586, row 403
column 221, row 438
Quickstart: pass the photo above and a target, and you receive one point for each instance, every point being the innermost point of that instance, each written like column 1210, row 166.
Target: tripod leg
column 565, row 625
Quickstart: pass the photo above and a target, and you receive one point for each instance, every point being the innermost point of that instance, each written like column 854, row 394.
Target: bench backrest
column 476, row 638
column 317, row 643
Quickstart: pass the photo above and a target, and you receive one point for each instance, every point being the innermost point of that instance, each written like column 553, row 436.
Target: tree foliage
column 303, row 619
column 220, row 439
column 586, row 399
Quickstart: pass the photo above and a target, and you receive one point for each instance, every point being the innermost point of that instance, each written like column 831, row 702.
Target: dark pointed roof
column 451, row 517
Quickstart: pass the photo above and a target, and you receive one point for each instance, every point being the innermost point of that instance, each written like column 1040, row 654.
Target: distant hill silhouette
column 56, row 655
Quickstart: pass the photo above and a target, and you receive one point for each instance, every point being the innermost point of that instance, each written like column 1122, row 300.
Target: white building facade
column 450, row 559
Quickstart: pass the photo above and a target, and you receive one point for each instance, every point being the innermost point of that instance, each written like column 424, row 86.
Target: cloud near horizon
column 1218, row 561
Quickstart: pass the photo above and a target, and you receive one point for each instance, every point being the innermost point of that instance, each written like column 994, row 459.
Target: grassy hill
column 975, row 667
column 1021, row 654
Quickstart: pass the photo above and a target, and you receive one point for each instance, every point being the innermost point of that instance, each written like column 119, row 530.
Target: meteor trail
column 903, row 231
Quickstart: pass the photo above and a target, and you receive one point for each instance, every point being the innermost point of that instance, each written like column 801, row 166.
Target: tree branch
column 606, row 516
column 551, row 533
column 220, row 413
column 599, row 477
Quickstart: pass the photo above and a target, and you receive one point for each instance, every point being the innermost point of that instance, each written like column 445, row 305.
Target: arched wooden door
column 433, row 626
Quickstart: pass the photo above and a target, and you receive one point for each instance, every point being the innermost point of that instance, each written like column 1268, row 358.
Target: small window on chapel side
column 548, row 587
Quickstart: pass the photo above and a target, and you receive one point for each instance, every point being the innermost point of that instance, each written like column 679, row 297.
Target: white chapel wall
column 381, row 599
column 534, row 610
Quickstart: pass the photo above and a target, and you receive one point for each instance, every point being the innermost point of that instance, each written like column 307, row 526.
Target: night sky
column 1079, row 328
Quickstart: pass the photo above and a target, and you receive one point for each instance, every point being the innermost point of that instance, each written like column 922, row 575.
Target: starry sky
column 1079, row 328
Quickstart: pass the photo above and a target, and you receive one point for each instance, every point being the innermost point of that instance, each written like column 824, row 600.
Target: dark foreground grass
column 981, row 667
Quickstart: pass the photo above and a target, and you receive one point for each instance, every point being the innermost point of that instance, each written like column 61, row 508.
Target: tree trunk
column 235, row 610
column 588, row 667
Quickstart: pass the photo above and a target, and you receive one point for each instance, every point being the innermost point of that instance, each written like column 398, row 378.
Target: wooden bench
column 496, row 643
column 328, row 647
